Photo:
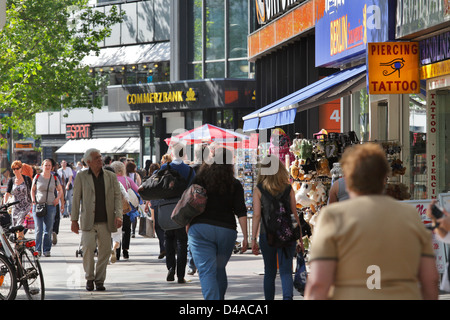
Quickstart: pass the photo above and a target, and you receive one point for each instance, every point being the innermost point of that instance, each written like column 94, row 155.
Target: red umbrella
column 208, row 133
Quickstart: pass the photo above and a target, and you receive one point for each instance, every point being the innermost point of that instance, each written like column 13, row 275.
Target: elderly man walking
column 97, row 191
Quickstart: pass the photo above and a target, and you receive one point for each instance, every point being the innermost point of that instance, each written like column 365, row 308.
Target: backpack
column 280, row 230
column 164, row 184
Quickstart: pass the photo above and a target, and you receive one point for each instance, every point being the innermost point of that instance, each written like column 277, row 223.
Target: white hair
column 88, row 154
column 118, row 167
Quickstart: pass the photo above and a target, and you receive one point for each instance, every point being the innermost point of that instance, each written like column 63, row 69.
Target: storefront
column 430, row 150
column 169, row 107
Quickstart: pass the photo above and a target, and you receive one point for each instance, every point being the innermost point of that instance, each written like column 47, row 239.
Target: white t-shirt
column 65, row 174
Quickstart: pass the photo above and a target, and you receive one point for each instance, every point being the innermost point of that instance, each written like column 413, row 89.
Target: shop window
column 418, row 156
column 360, row 114
column 383, row 121
column 225, row 119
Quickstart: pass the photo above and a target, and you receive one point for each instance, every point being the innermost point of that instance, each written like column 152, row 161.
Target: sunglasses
column 16, row 168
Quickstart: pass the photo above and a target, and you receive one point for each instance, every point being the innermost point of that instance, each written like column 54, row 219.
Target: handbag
column 300, row 274
column 126, row 207
column 41, row 208
column 167, row 183
column 134, row 200
column 192, row 204
column 165, row 209
column 146, row 227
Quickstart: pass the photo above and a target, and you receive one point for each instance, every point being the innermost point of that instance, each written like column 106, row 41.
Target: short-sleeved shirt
column 371, row 233
column 42, row 185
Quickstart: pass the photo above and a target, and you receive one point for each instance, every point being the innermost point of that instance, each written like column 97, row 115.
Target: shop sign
column 346, row 27
column 23, row 145
column 78, row 131
column 393, row 68
column 431, row 145
column 414, row 16
column 435, row 48
column 161, row 97
column 147, row 120
column 266, row 10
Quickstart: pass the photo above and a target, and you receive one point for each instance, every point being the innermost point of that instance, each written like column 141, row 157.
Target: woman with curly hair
column 212, row 235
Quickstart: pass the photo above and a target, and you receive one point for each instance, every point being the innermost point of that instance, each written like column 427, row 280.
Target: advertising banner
column 346, row 27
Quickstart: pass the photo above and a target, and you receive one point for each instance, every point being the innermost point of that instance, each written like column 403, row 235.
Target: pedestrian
column 442, row 225
column 130, row 167
column 338, row 191
column 175, row 240
column 213, row 234
column 152, row 205
column 127, row 183
column 370, row 246
column 97, row 204
column 276, row 183
column 43, row 191
column 66, row 175
column 19, row 187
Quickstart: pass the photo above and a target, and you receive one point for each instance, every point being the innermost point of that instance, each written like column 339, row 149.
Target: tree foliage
column 41, row 47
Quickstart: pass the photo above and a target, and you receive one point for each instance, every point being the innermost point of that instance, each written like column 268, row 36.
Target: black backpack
column 167, row 183
column 280, row 230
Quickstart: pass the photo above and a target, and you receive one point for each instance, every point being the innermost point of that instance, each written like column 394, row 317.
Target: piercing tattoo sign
column 393, row 67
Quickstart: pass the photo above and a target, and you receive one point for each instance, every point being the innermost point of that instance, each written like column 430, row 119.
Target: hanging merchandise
column 280, row 144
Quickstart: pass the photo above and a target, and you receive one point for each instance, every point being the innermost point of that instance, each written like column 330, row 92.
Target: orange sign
column 393, row 67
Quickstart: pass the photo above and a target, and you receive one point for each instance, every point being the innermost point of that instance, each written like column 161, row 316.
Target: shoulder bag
column 192, row 204
column 41, row 208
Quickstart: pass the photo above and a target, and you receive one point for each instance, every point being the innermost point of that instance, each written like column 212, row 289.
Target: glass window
column 360, row 114
column 215, row 29
column 237, row 31
column 238, row 69
column 418, row 155
column 194, row 119
column 196, row 71
column 215, row 70
column 196, row 31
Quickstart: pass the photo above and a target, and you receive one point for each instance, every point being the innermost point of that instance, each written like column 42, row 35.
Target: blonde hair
column 276, row 180
column 167, row 158
column 365, row 168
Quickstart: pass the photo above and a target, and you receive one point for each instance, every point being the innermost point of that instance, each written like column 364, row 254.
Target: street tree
column 41, row 48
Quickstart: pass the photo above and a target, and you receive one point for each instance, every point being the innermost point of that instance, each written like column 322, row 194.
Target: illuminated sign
column 266, row 10
column 346, row 27
column 162, row 97
column 23, row 145
column 393, row 67
column 78, row 131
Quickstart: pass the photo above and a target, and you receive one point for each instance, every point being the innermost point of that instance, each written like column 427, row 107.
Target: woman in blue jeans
column 212, row 235
column 274, row 178
column 43, row 191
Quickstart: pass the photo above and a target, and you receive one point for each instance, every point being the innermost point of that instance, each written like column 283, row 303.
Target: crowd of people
column 351, row 236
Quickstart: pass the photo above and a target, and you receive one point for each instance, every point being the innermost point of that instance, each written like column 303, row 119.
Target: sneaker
column 46, row 254
column 191, row 272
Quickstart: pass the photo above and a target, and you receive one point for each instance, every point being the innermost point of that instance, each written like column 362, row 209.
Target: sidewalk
column 143, row 276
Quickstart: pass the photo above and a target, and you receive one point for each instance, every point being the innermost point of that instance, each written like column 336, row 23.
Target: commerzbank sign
column 267, row 10
column 161, row 97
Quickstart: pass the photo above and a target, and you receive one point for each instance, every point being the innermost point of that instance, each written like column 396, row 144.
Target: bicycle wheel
column 8, row 279
column 31, row 276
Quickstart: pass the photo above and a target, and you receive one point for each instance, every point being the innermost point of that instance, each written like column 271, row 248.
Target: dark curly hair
column 218, row 177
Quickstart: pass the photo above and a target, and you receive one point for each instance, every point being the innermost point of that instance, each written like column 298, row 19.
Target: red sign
column 78, row 131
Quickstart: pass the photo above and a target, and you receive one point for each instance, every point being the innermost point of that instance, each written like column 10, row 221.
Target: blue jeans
column 211, row 247
column 44, row 228
column 285, row 259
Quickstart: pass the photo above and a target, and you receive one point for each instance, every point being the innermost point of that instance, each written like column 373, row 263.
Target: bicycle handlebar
column 7, row 205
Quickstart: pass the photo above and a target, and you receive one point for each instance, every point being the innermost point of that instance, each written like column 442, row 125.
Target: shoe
column 54, row 238
column 46, row 254
column 125, row 254
column 162, row 255
column 113, row 256
column 90, row 285
column 191, row 272
column 182, row 280
column 171, row 275
column 100, row 287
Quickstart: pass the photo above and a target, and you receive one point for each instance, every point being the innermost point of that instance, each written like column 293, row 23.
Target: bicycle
column 19, row 266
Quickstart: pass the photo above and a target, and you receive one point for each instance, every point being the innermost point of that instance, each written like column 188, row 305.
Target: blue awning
column 284, row 110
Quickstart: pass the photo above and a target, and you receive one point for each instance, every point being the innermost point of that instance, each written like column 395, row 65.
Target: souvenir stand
column 314, row 167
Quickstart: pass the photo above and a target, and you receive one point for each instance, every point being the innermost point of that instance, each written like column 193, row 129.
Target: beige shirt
column 374, row 230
